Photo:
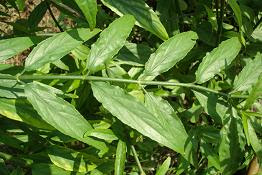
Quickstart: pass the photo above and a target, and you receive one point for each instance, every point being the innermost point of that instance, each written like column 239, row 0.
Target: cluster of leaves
column 136, row 87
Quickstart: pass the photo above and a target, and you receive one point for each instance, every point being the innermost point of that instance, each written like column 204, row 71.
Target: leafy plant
column 131, row 87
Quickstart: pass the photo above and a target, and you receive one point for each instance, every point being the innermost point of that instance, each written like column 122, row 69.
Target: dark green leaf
column 37, row 14
column 144, row 15
column 237, row 11
column 218, row 59
column 134, row 54
column 100, row 53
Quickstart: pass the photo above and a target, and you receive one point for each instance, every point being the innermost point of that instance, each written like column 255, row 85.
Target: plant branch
column 53, row 17
column 137, row 160
column 220, row 19
column 96, row 78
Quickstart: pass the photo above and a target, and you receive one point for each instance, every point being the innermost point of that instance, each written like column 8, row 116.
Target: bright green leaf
column 168, row 54
column 55, row 47
column 162, row 170
column 70, row 160
column 255, row 93
column 48, row 169
column 60, row 114
column 249, row 75
column 120, row 158
column 21, row 110
column 13, row 46
column 89, row 9
column 144, row 15
column 254, row 140
column 218, row 59
column 115, row 36
column 158, row 124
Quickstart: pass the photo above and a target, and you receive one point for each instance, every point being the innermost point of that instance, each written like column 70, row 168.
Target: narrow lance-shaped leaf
column 60, row 114
column 89, row 9
column 144, row 15
column 218, row 59
column 71, row 160
column 54, row 48
column 255, row 93
column 152, row 121
column 21, row 110
column 254, row 140
column 111, row 40
column 212, row 105
column 13, row 46
column 237, row 11
column 168, row 54
column 162, row 170
column 120, row 158
column 249, row 75
column 232, row 144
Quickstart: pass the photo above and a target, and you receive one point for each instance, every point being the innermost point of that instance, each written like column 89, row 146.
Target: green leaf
column 37, row 14
column 144, row 15
column 218, row 59
column 212, row 156
column 134, row 54
column 212, row 105
column 255, row 93
column 152, row 121
column 254, row 140
column 237, row 11
column 11, row 89
column 10, row 141
column 249, row 75
column 232, row 144
column 162, row 170
column 13, row 46
column 120, row 158
column 115, row 36
column 21, row 110
column 55, row 47
column 48, row 169
column 71, row 160
column 105, row 134
column 66, row 119
column 168, row 54
column 89, row 9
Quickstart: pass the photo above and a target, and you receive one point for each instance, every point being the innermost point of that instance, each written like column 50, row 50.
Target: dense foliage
column 131, row 87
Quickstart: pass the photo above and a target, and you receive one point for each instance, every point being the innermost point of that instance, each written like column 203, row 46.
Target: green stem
column 95, row 78
column 220, row 21
column 53, row 16
column 137, row 160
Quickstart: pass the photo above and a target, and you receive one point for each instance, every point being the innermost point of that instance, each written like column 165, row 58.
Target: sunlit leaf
column 100, row 52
